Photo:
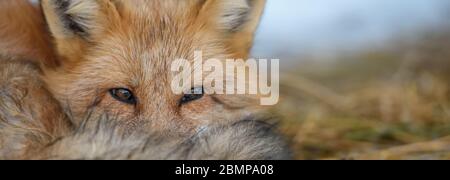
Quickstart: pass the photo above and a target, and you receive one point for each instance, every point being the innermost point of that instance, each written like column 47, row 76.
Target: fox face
column 116, row 55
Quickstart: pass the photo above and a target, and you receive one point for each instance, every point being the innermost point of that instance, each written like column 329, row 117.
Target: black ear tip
column 71, row 22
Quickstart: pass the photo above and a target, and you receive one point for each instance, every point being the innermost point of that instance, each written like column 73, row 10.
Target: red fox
column 84, row 74
column 33, row 126
column 116, row 55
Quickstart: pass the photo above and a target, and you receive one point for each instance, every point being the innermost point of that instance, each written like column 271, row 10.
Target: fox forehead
column 142, row 42
column 159, row 6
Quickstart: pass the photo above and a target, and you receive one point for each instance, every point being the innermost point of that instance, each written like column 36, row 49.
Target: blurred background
column 361, row 78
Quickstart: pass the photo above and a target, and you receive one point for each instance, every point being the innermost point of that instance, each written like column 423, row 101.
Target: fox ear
column 235, row 15
column 69, row 18
column 240, row 18
column 75, row 23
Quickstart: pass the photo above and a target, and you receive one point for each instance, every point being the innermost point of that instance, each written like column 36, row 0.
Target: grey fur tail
column 246, row 140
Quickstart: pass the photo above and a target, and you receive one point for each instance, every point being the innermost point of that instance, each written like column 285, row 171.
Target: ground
column 383, row 103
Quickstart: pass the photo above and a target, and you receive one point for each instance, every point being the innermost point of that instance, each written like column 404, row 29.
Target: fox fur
column 33, row 126
column 245, row 140
column 23, row 33
column 104, row 44
column 29, row 115
column 56, row 66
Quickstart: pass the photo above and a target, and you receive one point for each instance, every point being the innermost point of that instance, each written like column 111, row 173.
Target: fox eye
column 194, row 94
column 123, row 95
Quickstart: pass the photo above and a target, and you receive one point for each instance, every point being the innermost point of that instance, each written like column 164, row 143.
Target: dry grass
column 376, row 104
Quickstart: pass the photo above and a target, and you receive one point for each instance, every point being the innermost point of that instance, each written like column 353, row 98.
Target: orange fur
column 23, row 32
column 104, row 44
column 107, row 44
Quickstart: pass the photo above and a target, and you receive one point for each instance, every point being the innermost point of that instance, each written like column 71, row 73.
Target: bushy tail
column 247, row 140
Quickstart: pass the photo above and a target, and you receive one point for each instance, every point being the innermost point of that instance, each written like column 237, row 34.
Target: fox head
column 116, row 55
